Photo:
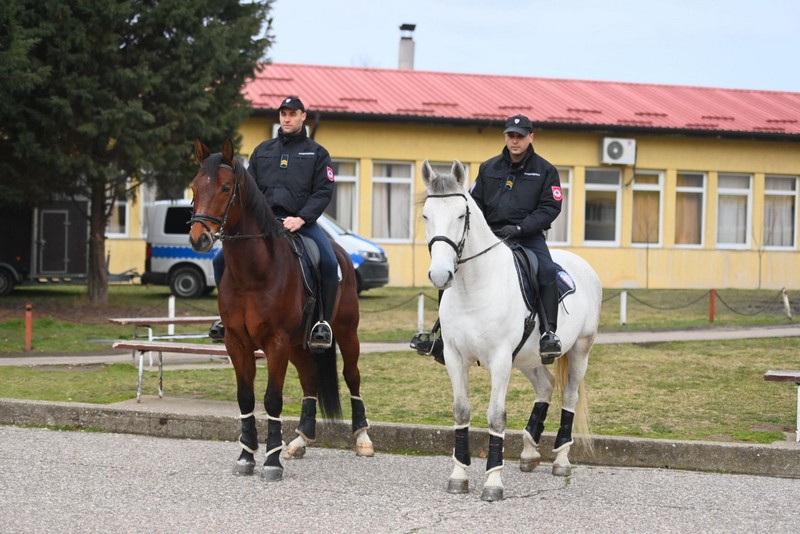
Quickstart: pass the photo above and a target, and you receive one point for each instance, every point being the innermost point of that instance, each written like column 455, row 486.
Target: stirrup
column 217, row 332
column 321, row 337
column 428, row 344
column 549, row 347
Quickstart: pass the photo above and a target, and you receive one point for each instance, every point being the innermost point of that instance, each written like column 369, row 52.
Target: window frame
column 733, row 191
column 617, row 190
column 410, row 207
column 643, row 187
column 703, row 192
column 781, row 193
column 355, row 180
column 566, row 190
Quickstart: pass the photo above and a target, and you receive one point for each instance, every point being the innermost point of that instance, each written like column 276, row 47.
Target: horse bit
column 459, row 248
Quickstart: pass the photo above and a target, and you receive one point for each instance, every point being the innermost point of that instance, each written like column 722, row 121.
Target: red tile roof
column 457, row 98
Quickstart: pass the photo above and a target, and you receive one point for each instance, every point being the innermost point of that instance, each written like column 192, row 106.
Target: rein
column 204, row 218
column 459, row 248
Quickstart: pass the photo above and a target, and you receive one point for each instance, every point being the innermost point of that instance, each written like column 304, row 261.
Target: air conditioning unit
column 617, row 151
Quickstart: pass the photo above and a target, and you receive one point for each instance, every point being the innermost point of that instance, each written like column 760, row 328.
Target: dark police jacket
column 527, row 194
column 295, row 174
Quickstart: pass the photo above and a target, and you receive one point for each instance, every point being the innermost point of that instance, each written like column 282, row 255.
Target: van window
column 177, row 220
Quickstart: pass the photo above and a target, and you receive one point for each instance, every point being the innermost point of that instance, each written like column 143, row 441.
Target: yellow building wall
column 626, row 265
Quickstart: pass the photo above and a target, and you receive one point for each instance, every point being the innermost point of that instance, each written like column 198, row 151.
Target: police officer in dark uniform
column 520, row 195
column 295, row 174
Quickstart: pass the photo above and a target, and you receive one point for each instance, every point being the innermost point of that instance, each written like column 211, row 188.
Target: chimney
column 406, row 61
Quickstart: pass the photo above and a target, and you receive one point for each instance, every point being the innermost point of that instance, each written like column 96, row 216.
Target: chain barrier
column 764, row 309
column 412, row 299
column 668, row 308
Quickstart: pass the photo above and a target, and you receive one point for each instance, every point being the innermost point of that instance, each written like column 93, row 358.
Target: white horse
column 482, row 315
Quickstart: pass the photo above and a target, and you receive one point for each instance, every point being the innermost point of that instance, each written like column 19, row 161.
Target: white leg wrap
column 246, row 415
column 245, row 447
column 459, row 464
column 277, row 449
column 270, row 418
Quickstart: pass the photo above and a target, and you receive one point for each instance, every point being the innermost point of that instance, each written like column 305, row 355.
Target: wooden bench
column 150, row 322
column 788, row 376
column 169, row 346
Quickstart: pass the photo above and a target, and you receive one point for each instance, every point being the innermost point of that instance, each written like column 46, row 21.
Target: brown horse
column 261, row 303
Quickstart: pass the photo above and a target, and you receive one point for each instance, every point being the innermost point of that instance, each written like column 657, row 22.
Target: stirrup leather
column 321, row 336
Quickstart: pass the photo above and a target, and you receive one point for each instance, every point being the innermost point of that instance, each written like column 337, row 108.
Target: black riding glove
column 509, row 231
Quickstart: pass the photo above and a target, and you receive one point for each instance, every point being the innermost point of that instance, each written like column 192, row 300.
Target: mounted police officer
column 519, row 193
column 295, row 175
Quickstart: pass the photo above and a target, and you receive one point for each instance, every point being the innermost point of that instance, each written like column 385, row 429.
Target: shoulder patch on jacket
column 557, row 195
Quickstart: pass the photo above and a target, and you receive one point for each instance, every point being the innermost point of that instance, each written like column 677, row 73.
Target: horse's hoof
column 271, row 474
column 244, row 468
column 297, row 453
column 492, row 494
column 458, row 485
column 562, row 470
column 528, row 465
column 365, row 449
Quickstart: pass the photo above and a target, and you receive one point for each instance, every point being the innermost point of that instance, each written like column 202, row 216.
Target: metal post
column 28, row 327
column 171, row 315
column 712, row 303
column 623, row 307
column 420, row 312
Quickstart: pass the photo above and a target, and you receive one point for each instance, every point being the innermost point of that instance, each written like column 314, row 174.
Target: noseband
column 459, row 248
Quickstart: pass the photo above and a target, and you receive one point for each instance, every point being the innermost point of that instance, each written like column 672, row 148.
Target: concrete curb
column 780, row 459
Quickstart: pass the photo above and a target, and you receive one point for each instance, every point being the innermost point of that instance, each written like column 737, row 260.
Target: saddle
column 527, row 268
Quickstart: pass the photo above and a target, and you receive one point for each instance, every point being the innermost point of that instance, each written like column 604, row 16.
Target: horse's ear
column 458, row 172
column 427, row 173
column 201, row 151
column 227, row 152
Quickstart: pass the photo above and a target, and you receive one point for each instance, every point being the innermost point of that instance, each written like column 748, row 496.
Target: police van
column 170, row 260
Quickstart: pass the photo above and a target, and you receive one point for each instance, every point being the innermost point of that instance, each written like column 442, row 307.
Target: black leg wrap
column 359, row 414
column 495, row 458
column 274, row 441
column 308, row 419
column 536, row 422
column 249, row 437
column 461, row 451
column 564, row 435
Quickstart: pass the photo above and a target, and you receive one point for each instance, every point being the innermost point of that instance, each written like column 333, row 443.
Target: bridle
column 459, row 248
column 204, row 218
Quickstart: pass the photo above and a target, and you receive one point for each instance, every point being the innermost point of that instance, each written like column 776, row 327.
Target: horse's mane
column 256, row 206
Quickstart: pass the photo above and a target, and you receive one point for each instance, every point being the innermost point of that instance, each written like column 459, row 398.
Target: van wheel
column 6, row 282
column 187, row 282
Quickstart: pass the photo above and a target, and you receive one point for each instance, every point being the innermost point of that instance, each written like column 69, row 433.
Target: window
column 391, row 200
column 780, row 211
column 602, row 206
column 646, row 228
column 733, row 210
column 690, row 194
column 445, row 168
column 559, row 232
column 117, row 225
column 343, row 206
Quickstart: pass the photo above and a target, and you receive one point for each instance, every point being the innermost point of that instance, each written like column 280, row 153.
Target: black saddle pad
column 566, row 284
column 308, row 254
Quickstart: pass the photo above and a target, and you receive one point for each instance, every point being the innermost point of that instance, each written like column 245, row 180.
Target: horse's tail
column 581, row 422
column 328, row 387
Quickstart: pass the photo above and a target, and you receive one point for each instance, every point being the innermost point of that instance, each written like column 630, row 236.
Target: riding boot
column 321, row 337
column 549, row 344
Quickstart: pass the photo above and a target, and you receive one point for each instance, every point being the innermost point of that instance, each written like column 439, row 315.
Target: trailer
column 47, row 244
